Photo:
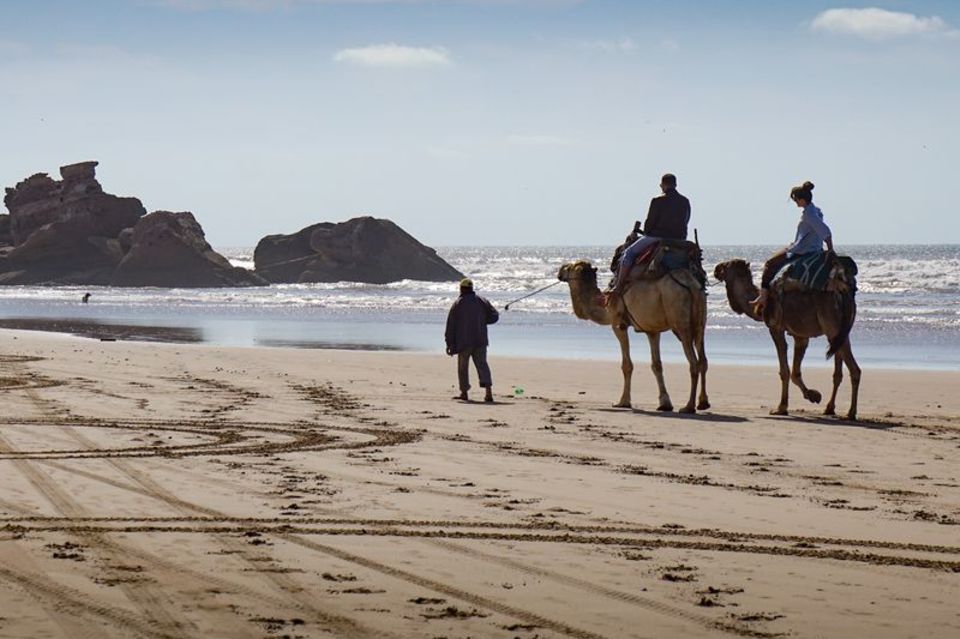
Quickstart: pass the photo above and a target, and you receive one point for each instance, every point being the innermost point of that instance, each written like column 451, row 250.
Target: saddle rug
column 819, row 272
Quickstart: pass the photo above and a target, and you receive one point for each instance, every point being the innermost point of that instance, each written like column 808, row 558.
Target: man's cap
column 466, row 283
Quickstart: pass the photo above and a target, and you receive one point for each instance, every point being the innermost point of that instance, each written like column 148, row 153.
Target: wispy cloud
column 879, row 24
column 444, row 152
column 394, row 56
column 268, row 5
column 12, row 46
column 622, row 45
column 539, row 140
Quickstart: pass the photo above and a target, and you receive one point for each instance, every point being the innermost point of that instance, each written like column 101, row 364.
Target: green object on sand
column 517, row 391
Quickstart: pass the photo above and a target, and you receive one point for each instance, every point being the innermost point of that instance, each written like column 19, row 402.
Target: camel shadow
column 826, row 420
column 696, row 417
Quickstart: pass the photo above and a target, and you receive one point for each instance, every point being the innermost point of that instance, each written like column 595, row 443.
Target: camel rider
column 667, row 219
column 812, row 233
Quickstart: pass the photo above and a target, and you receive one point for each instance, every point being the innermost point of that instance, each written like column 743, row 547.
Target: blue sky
column 496, row 121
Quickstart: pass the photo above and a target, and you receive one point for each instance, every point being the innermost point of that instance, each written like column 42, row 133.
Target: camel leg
column 799, row 350
column 657, row 366
column 854, row 369
column 837, row 378
column 703, row 403
column 626, row 365
column 694, row 363
column 780, row 341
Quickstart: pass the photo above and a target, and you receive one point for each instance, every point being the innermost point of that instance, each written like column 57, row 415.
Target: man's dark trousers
column 479, row 355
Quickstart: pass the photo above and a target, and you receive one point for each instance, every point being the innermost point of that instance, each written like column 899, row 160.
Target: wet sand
column 166, row 490
column 103, row 330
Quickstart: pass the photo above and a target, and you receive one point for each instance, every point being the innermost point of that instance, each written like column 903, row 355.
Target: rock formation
column 69, row 231
column 64, row 231
column 6, row 239
column 364, row 249
column 169, row 249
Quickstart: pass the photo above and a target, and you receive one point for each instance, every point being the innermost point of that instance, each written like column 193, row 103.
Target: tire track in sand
column 345, row 626
column 142, row 594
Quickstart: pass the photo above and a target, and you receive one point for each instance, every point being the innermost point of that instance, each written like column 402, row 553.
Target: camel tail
column 847, row 313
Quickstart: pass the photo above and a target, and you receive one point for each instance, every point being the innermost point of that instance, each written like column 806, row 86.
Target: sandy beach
column 168, row 490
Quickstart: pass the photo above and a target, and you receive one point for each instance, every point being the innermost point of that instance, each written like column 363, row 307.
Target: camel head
column 587, row 300
column 740, row 288
column 580, row 271
column 732, row 270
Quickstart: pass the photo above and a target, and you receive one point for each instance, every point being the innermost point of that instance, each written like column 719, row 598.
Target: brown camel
column 802, row 314
column 675, row 302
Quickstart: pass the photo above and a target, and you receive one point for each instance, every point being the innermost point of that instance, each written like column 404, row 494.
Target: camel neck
column 740, row 293
column 586, row 303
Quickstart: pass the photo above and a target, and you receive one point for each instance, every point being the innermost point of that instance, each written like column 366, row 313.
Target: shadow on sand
column 826, row 420
column 696, row 417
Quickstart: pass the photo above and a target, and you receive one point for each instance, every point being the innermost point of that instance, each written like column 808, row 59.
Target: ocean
column 908, row 309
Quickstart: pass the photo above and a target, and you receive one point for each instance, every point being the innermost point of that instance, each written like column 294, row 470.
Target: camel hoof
column 829, row 411
column 665, row 408
column 813, row 396
column 852, row 417
column 622, row 405
column 779, row 411
column 688, row 410
column 704, row 405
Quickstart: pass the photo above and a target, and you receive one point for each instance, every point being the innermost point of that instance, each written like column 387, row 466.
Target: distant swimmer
column 466, row 337
column 86, row 297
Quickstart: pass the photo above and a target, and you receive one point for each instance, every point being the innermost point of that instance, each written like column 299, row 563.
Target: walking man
column 466, row 337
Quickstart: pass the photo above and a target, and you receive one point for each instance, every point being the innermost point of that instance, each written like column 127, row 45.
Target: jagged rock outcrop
column 69, row 231
column 78, row 197
column 169, row 249
column 64, row 231
column 364, row 249
column 6, row 239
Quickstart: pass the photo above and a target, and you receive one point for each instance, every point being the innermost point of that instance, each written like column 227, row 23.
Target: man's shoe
column 488, row 398
column 761, row 302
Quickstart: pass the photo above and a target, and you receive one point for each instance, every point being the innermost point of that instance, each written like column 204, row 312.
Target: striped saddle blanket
column 819, row 272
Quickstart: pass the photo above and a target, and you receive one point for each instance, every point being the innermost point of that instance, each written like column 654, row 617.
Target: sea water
column 908, row 313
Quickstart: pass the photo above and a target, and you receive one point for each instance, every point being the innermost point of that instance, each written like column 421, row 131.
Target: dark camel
column 674, row 302
column 802, row 314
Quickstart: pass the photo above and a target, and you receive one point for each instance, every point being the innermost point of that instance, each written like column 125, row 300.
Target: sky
column 496, row 122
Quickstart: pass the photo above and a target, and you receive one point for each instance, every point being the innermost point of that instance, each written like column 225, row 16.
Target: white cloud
column 623, row 45
column 267, row 5
column 539, row 140
column 444, row 152
column 394, row 56
column 879, row 24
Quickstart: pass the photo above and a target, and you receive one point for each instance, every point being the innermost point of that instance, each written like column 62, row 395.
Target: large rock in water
column 364, row 249
column 6, row 239
column 64, row 231
column 70, row 232
column 169, row 249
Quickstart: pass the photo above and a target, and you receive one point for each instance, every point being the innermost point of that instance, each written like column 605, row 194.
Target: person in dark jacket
column 667, row 218
column 466, row 337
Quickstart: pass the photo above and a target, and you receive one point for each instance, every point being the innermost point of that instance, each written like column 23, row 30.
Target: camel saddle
column 663, row 257
column 819, row 271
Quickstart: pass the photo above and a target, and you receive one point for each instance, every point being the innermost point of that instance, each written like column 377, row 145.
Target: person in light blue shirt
column 812, row 234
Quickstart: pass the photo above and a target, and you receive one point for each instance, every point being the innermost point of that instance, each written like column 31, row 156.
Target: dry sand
column 189, row 491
